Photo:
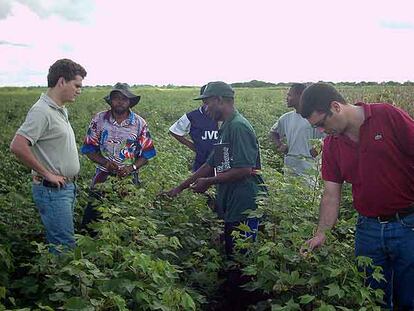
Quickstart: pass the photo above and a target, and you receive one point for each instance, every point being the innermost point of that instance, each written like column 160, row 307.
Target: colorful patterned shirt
column 122, row 143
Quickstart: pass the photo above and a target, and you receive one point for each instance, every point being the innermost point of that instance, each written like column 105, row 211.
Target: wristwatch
column 134, row 167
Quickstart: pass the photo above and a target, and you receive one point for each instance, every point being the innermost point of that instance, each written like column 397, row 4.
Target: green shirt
column 51, row 137
column 237, row 147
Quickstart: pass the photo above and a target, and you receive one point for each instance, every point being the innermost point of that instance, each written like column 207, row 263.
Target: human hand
column 200, row 185
column 111, row 166
column 125, row 171
column 282, row 148
column 317, row 241
column 55, row 179
column 173, row 192
column 313, row 152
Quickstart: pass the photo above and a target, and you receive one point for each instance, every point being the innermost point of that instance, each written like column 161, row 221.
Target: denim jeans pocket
column 40, row 197
column 408, row 221
column 361, row 220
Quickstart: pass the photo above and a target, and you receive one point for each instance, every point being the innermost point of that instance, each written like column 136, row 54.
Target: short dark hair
column 318, row 97
column 298, row 88
column 65, row 68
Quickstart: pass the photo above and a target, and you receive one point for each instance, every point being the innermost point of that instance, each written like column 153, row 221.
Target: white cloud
column 192, row 42
column 2, row 42
column 71, row 10
column 5, row 8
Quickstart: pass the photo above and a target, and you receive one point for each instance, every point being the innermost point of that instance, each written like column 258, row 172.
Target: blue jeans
column 391, row 246
column 56, row 207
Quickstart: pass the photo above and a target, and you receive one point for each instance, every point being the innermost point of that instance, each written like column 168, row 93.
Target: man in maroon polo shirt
column 370, row 146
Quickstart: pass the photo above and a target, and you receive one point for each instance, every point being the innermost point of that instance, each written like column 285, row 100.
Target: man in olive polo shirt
column 233, row 163
column 45, row 142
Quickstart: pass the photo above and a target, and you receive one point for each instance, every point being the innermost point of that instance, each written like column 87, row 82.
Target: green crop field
column 154, row 253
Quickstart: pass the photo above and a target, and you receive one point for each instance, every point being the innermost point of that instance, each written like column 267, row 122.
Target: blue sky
column 190, row 42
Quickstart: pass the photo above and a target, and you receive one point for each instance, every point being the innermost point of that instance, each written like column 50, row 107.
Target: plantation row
column 155, row 253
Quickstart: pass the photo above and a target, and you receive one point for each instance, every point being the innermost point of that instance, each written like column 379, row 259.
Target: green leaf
column 187, row 302
column 292, row 305
column 377, row 274
column 250, row 270
column 244, row 227
column 198, row 254
column 325, row 307
column 277, row 308
column 334, row 290
column 77, row 254
column 42, row 307
column 78, row 304
column 59, row 296
column 119, row 302
column 305, row 299
column 335, row 272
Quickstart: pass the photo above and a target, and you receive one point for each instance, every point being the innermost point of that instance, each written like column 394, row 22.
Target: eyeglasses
column 321, row 122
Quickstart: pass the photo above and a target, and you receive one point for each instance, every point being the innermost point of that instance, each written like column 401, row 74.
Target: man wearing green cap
column 233, row 164
column 118, row 141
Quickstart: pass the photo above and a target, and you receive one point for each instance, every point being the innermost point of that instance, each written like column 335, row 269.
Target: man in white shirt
column 297, row 132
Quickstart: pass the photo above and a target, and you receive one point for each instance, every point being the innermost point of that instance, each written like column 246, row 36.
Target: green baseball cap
column 217, row 88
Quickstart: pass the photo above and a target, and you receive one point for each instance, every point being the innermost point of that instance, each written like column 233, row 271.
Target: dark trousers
column 229, row 227
column 91, row 213
column 234, row 296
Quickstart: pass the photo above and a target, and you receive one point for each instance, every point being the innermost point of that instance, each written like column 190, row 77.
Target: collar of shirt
column 367, row 116
column 367, row 110
column 131, row 120
column 235, row 113
column 46, row 99
column 202, row 109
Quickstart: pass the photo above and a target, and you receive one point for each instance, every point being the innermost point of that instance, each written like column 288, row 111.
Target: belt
column 41, row 180
column 397, row 216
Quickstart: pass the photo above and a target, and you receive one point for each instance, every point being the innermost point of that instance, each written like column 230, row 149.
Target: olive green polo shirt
column 237, row 147
column 51, row 137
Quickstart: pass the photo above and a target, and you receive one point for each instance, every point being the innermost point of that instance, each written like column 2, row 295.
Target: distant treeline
column 252, row 84
column 257, row 83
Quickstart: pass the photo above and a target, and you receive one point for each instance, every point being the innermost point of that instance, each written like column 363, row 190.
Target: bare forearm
column 204, row 171
column 21, row 149
column 97, row 157
column 274, row 137
column 140, row 162
column 233, row 174
column 188, row 143
column 280, row 145
column 328, row 213
column 184, row 141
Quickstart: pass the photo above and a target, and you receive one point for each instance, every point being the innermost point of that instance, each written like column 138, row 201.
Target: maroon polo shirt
column 381, row 166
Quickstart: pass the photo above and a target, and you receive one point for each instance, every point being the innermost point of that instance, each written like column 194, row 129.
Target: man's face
column 214, row 106
column 119, row 103
column 71, row 89
column 292, row 98
column 331, row 122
